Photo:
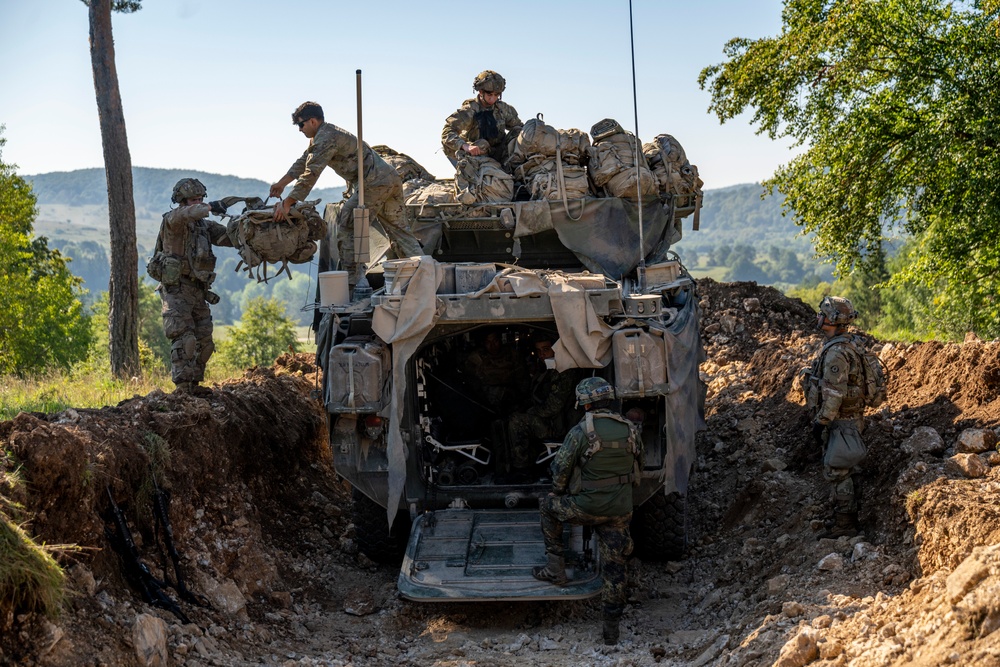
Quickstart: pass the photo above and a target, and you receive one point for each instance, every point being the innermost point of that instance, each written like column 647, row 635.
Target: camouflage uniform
column 188, row 236
column 551, row 394
column 585, row 492
column 338, row 149
column 462, row 127
column 838, row 401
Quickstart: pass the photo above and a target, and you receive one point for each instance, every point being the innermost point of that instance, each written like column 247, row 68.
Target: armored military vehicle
column 422, row 377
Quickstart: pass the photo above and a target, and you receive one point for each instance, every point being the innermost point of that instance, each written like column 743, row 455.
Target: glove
column 217, row 207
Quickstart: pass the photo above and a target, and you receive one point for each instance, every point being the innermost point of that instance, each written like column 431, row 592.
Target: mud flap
column 464, row 554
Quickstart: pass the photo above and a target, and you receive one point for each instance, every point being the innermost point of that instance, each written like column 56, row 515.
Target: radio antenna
column 640, row 271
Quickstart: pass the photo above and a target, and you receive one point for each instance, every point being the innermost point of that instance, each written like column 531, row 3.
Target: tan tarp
column 404, row 325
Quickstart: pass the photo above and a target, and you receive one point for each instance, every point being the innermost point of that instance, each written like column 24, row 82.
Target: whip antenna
column 641, row 269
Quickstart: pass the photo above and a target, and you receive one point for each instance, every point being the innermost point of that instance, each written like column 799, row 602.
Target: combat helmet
column 187, row 188
column 490, row 82
column 592, row 390
column 837, row 310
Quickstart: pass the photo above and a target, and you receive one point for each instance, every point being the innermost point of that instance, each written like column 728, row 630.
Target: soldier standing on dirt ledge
column 835, row 396
column 592, row 478
column 184, row 265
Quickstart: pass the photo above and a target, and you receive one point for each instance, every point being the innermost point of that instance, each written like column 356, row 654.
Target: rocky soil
column 261, row 522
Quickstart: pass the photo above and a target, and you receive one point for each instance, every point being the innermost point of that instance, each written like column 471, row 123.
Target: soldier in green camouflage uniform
column 835, row 396
column 332, row 146
column 592, row 478
column 484, row 124
column 550, row 394
column 184, row 265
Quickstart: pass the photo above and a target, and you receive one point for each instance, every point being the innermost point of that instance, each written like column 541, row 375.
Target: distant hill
column 737, row 215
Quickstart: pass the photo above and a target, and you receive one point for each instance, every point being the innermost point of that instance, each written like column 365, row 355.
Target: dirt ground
column 262, row 526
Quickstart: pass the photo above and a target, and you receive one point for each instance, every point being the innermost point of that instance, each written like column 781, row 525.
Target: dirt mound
column 261, row 523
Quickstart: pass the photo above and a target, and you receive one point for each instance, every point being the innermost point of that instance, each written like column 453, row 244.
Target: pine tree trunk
column 123, row 288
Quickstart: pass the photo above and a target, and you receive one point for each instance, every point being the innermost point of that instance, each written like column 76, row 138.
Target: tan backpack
column 407, row 168
column 674, row 174
column 538, row 141
column 260, row 240
column 613, row 163
column 480, row 179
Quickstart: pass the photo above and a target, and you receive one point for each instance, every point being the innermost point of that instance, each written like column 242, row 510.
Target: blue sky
column 210, row 84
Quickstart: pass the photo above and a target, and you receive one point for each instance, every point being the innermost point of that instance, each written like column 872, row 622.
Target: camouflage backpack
column 674, row 174
column 259, row 239
column 613, row 162
column 481, row 179
column 538, row 141
column 407, row 168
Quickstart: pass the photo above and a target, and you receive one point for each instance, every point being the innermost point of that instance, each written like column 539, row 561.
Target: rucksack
column 874, row 379
column 259, row 239
column 875, row 383
column 674, row 174
column 613, row 164
column 407, row 168
column 481, row 179
column 539, row 140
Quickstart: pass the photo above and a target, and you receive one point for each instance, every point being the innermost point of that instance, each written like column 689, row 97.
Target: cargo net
column 260, row 240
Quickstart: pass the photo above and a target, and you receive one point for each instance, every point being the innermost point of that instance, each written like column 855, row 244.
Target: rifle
column 136, row 572
column 161, row 501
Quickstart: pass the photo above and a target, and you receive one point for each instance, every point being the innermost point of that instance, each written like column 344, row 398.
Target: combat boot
column 184, row 387
column 612, row 621
column 845, row 524
column 553, row 572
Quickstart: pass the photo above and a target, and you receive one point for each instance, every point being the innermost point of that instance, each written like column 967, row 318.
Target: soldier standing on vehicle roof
column 835, row 396
column 484, row 125
column 184, row 265
column 331, row 146
column 592, row 478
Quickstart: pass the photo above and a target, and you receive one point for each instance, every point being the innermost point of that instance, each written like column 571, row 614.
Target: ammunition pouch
column 154, row 267
column 172, row 269
column 211, row 297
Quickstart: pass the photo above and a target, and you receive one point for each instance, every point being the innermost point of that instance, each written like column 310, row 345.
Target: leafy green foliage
column 154, row 348
column 895, row 103
column 42, row 321
column 264, row 333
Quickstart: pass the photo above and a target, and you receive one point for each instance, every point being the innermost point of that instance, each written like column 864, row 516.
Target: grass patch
column 55, row 392
column 30, row 577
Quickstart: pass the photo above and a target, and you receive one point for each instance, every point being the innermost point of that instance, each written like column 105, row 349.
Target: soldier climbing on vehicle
column 592, row 478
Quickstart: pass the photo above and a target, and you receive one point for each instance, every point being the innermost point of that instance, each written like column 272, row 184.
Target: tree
column 154, row 348
column 896, row 104
column 264, row 333
column 123, row 312
column 42, row 323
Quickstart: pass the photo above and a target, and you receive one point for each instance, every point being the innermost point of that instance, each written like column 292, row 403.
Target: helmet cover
column 837, row 310
column 592, row 390
column 490, row 82
column 187, row 188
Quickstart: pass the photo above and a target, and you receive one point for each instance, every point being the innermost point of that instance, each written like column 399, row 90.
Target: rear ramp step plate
column 463, row 554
